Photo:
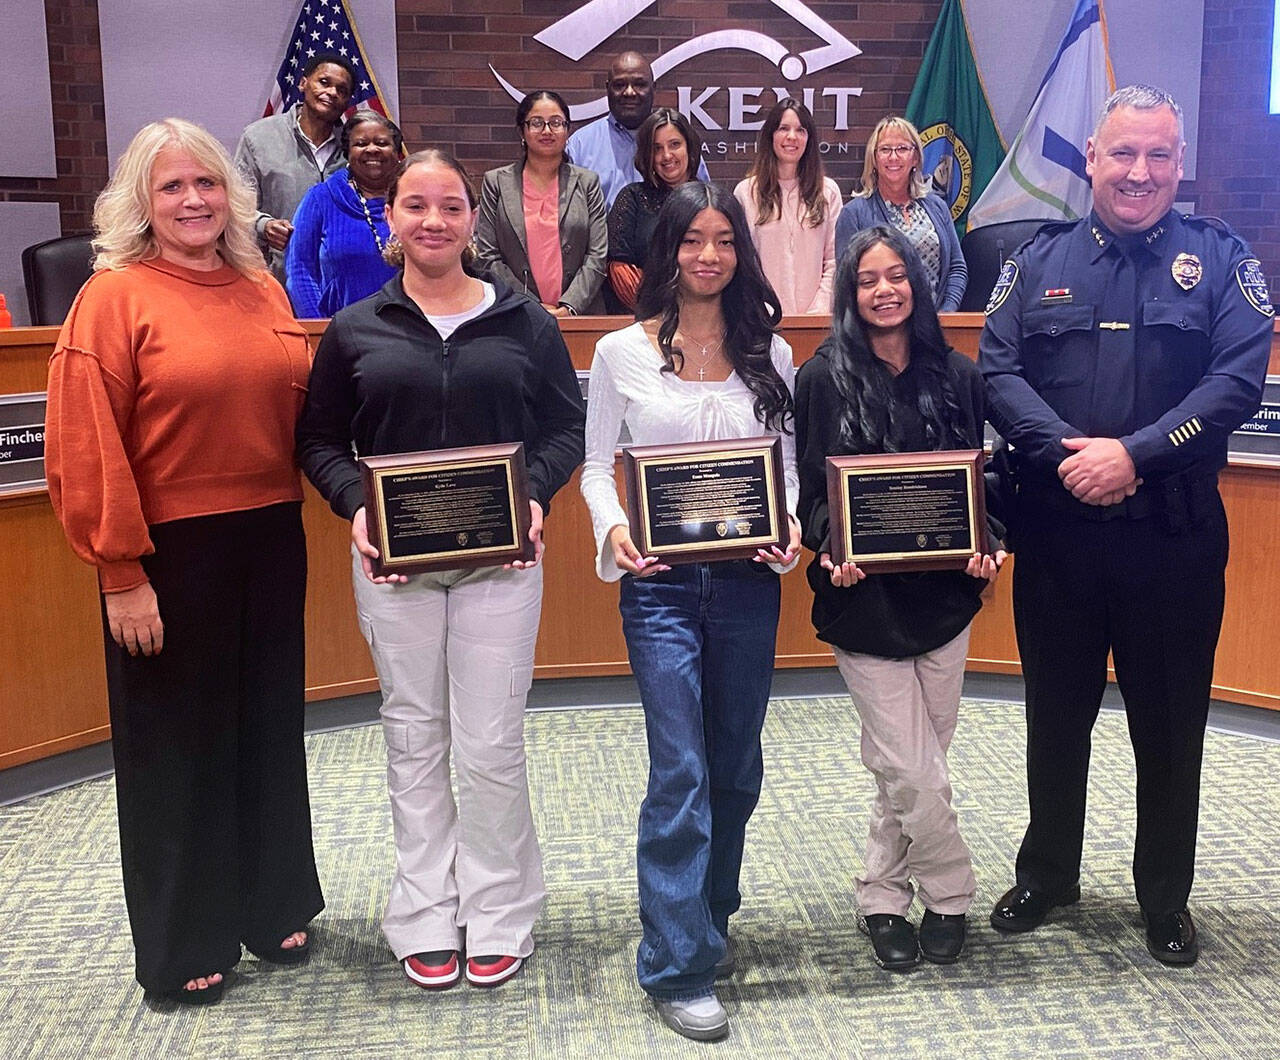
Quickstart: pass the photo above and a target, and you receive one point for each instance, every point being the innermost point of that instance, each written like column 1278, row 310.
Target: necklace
column 367, row 215
column 707, row 351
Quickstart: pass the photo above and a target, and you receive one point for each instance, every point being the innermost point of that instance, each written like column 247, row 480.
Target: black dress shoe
column 1172, row 938
column 942, row 936
column 1022, row 909
column 894, row 940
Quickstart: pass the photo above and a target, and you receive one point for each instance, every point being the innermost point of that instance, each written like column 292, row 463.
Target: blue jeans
column 701, row 641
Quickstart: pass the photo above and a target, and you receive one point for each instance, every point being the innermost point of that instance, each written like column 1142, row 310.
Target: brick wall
column 1238, row 176
column 448, row 96
column 79, row 126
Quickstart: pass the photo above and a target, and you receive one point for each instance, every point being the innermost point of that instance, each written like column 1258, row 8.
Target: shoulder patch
column 1253, row 285
column 1004, row 284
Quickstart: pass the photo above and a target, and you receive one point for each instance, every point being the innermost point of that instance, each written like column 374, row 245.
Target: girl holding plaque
column 439, row 359
column 701, row 363
column 885, row 381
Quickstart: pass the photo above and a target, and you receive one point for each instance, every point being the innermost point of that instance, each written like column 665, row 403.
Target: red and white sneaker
column 492, row 970
column 433, row 971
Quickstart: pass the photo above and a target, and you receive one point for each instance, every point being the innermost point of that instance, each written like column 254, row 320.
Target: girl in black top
column 884, row 382
column 439, row 359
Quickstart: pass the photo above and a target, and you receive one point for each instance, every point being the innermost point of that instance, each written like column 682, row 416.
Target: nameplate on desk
column 1265, row 421
column 22, row 430
column 906, row 511
column 448, row 509
column 703, row 501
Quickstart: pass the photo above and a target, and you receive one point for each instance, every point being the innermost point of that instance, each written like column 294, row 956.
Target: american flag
column 325, row 26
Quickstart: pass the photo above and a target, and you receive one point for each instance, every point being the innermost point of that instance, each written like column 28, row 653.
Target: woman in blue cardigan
column 896, row 193
column 335, row 255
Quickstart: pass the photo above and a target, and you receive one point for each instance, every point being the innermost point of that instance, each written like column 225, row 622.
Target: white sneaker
column 703, row 1019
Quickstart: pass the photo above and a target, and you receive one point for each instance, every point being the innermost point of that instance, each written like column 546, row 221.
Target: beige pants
column 454, row 655
column 908, row 710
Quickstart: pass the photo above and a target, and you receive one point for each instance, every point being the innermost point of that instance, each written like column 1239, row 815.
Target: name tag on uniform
column 1113, row 325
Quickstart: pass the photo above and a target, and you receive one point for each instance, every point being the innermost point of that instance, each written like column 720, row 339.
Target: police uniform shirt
column 1160, row 339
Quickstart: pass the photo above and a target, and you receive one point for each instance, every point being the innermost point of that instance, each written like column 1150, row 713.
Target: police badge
column 1186, row 270
column 1004, row 284
column 1253, row 285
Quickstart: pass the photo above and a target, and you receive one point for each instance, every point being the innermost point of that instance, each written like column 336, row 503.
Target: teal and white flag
column 1043, row 175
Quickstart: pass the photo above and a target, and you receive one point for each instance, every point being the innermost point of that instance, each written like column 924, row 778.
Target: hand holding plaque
column 703, row 501
column 448, row 509
column 906, row 511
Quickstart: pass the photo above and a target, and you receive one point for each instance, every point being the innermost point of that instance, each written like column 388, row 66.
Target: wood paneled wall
column 53, row 688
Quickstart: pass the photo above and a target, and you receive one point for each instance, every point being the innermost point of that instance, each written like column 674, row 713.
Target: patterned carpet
column 1082, row 986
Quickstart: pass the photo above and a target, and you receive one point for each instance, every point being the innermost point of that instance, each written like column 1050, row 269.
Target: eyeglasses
column 895, row 150
column 538, row 124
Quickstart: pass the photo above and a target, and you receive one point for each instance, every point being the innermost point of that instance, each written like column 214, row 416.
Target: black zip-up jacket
column 385, row 380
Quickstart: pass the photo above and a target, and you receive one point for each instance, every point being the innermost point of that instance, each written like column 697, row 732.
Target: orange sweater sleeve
column 626, row 281
column 91, row 484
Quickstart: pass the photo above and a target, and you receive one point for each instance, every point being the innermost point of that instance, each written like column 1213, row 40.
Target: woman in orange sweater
column 173, row 393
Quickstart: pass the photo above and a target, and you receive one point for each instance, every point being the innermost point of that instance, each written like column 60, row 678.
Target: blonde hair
column 122, row 214
column 919, row 184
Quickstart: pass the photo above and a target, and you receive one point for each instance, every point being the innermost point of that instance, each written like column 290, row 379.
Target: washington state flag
column 962, row 148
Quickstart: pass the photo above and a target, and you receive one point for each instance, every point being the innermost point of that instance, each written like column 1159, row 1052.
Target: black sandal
column 280, row 955
column 209, row 995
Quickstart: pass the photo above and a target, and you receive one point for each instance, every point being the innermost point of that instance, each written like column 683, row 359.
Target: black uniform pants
column 211, row 780
column 1154, row 598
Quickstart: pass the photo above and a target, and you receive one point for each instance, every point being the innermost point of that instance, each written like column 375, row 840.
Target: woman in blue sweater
column 895, row 192
column 335, row 255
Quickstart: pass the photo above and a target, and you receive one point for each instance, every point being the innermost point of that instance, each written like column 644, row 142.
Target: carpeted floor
column 1082, row 986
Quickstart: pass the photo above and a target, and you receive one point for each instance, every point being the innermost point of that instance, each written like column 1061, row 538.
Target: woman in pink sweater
column 792, row 207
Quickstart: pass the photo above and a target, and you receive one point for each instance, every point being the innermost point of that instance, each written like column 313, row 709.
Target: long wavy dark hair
column 809, row 171
column 868, row 416
column 748, row 302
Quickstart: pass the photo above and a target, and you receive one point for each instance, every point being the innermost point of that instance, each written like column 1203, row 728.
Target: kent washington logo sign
column 591, row 24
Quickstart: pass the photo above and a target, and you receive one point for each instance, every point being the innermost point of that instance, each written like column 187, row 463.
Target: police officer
column 1119, row 354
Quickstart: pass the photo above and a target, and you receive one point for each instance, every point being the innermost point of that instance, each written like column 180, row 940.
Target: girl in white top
column 791, row 209
column 701, row 363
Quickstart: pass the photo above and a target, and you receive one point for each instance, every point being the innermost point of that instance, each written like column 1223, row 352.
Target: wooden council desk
column 52, row 679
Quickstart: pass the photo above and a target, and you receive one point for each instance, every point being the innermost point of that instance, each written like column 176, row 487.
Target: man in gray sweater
column 286, row 154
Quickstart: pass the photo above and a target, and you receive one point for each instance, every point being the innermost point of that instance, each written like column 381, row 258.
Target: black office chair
column 54, row 271
column 985, row 251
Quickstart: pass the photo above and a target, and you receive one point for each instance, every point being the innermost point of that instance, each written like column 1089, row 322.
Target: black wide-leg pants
column 1154, row 598
column 211, row 780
